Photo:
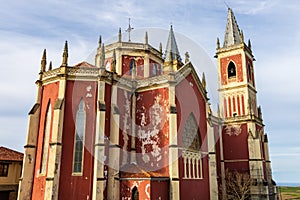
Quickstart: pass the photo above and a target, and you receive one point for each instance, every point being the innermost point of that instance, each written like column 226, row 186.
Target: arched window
column 47, row 127
column 231, row 70
column 249, row 73
column 191, row 149
column 132, row 65
column 135, row 194
column 154, row 69
column 79, row 138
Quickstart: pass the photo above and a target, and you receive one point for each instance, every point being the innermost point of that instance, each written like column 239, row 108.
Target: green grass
column 289, row 192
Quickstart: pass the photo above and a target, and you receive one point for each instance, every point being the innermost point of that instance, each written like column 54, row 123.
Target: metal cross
column 129, row 29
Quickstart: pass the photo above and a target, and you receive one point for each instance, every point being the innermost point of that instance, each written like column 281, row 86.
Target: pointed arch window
column 46, row 138
column 132, row 65
column 79, row 138
column 249, row 73
column 231, row 70
column 191, row 153
column 135, row 194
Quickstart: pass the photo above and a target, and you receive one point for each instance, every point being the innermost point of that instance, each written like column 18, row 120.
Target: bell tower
column 236, row 78
column 243, row 131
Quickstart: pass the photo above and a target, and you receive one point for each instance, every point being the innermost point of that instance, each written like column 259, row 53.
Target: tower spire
column 232, row 32
column 120, row 35
column 43, row 62
column 146, row 37
column 172, row 51
column 65, row 55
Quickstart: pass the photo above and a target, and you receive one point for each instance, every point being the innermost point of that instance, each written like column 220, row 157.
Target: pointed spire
column 171, row 48
column 160, row 47
column 43, row 62
column 114, row 61
column 146, row 37
column 50, row 66
column 102, row 57
column 203, row 81
column 187, row 57
column 100, row 42
column 232, row 33
column 65, row 55
column 218, row 43
column 120, row 35
column 249, row 44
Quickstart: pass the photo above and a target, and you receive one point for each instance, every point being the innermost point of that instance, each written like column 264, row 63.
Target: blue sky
column 27, row 27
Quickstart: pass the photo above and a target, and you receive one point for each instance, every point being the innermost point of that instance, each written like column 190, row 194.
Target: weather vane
column 129, row 29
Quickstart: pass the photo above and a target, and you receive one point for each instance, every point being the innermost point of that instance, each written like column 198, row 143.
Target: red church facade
column 138, row 125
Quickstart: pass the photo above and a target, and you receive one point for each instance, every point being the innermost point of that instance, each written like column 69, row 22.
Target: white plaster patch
column 233, row 130
column 147, row 190
column 149, row 134
column 88, row 90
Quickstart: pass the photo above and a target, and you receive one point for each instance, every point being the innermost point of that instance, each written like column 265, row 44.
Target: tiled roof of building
column 7, row 154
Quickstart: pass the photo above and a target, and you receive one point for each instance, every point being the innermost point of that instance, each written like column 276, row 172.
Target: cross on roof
column 129, row 29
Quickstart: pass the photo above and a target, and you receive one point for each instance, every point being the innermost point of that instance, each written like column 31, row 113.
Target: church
column 137, row 124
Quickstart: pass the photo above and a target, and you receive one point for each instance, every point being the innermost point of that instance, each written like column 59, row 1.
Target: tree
column 237, row 185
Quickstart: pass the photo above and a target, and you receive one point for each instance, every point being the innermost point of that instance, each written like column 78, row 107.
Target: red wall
column 188, row 97
column 237, row 60
column 153, row 132
column 235, row 146
column 50, row 93
column 143, row 187
column 78, row 187
column 124, row 102
column 139, row 65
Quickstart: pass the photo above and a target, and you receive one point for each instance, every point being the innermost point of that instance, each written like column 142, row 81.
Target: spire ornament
column 43, row 62
column 146, row 37
column 249, row 44
column 65, row 55
column 160, row 48
column 187, row 57
column 218, row 43
column 203, row 81
column 102, row 56
column 120, row 35
column 50, row 66
column 99, row 42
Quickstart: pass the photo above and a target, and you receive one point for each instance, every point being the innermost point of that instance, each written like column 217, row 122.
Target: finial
column 146, row 37
column 100, row 41
column 50, row 66
column 242, row 36
column 203, row 81
column 65, row 55
column 218, row 111
column 249, row 44
column 114, row 61
column 160, row 48
column 187, row 57
column 43, row 62
column 102, row 57
column 120, row 35
column 218, row 43
column 129, row 29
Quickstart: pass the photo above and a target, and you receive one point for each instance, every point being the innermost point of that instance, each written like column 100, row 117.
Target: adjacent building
column 10, row 172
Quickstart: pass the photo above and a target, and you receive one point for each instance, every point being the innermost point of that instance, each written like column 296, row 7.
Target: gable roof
column 7, row 154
